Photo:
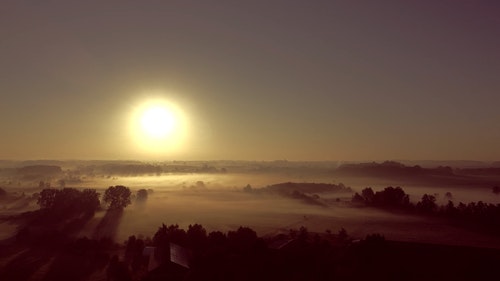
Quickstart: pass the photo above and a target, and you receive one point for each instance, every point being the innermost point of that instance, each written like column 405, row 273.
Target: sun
column 158, row 122
column 158, row 126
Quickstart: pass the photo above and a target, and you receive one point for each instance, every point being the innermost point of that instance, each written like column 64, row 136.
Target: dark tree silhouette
column 242, row 239
column 69, row 200
column 89, row 199
column 368, row 194
column 450, row 210
column 142, row 195
column 197, row 236
column 133, row 253
column 427, row 204
column 248, row 188
column 163, row 237
column 118, row 197
column 356, row 198
column 342, row 235
column 391, row 197
column 448, row 195
column 217, row 238
column 47, row 198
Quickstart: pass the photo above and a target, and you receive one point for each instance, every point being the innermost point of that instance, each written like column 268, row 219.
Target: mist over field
column 212, row 195
column 94, row 219
column 221, row 205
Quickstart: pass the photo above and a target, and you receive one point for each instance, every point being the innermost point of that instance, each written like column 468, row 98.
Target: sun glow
column 158, row 122
column 158, row 126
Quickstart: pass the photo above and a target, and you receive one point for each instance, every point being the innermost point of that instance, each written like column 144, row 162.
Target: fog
column 459, row 193
column 217, row 201
column 213, row 182
column 220, row 204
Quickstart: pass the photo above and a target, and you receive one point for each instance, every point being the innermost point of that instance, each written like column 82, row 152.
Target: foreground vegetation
column 48, row 245
column 242, row 255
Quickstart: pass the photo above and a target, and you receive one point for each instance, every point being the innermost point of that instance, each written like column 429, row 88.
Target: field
column 217, row 201
column 278, row 200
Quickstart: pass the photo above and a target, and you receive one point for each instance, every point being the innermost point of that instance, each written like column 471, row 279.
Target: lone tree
column 142, row 195
column 118, row 197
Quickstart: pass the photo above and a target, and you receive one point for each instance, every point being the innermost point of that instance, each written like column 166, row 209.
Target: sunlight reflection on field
column 176, row 181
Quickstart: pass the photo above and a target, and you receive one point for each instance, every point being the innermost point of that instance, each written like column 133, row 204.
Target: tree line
column 484, row 215
column 72, row 200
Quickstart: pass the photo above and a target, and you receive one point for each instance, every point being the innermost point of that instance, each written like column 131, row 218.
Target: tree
column 89, row 200
column 448, row 195
column 163, row 237
column 47, row 198
column 342, row 235
column 243, row 239
column 142, row 195
column 196, row 236
column 368, row 194
column 118, row 197
column 133, row 253
column 427, row 204
column 391, row 197
column 356, row 198
column 450, row 209
column 247, row 188
column 216, row 238
column 375, row 238
column 69, row 201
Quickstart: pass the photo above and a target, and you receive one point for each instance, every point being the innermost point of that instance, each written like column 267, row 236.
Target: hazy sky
column 257, row 80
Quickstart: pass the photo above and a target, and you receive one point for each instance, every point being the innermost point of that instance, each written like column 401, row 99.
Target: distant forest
column 32, row 170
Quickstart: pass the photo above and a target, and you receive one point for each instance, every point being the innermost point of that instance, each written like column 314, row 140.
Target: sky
column 254, row 80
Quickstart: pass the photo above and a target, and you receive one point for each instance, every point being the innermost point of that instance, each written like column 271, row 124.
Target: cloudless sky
column 258, row 80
